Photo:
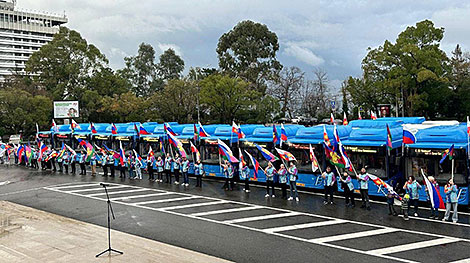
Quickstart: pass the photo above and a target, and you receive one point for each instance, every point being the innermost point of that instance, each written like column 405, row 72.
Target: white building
column 22, row 33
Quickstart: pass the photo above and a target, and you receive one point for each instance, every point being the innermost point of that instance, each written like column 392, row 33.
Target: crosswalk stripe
column 164, row 200
column 139, row 196
column 411, row 246
column 73, row 186
column 98, row 188
column 301, row 226
column 465, row 260
column 120, row 192
column 353, row 235
column 194, row 205
column 223, row 211
column 255, row 218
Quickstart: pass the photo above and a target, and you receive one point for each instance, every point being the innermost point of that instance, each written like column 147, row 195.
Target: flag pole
column 452, row 169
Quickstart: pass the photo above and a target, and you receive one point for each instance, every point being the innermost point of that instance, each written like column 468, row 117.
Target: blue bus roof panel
column 314, row 135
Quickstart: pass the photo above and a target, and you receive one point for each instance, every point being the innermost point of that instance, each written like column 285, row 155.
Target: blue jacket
column 282, row 175
column 198, row 169
column 329, row 179
column 363, row 181
column 245, row 173
column 412, row 190
column 292, row 174
column 451, row 194
column 270, row 173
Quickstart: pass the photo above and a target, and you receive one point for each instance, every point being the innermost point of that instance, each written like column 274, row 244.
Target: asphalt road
column 242, row 227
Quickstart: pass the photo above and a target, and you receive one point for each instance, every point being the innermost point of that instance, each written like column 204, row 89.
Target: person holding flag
column 328, row 182
column 150, row 165
column 93, row 164
column 168, row 164
column 81, row 161
column 292, row 171
column 282, row 173
column 434, row 195
column 270, row 171
column 451, row 201
column 184, row 169
column 176, row 168
column 348, row 188
column 66, row 162
column 244, row 172
column 131, row 165
column 198, row 172
column 363, row 178
column 412, row 188
column 228, row 174
column 138, row 169
column 160, row 164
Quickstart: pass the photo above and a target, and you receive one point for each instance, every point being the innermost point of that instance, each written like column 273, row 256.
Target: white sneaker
column 416, row 214
column 297, row 199
column 273, row 196
column 177, row 183
column 290, row 198
column 444, row 219
column 267, row 195
column 187, row 184
column 247, row 191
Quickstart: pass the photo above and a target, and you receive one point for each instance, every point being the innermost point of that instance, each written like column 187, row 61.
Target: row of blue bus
column 364, row 141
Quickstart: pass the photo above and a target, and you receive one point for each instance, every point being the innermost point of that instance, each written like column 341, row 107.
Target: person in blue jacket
column 363, row 178
column 348, row 188
column 81, row 161
column 130, row 165
column 66, row 162
column 269, row 172
column 198, row 172
column 292, row 171
column 328, row 183
column 168, row 164
column 150, row 163
column 111, row 162
column 228, row 174
column 245, row 176
column 282, row 172
column 452, row 200
column 184, row 169
column 160, row 163
column 412, row 186
column 176, row 168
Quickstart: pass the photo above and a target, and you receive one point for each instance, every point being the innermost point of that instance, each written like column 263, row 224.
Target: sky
column 328, row 35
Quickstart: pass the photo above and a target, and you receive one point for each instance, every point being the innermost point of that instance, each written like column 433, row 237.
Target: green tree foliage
column 20, row 111
column 460, row 83
column 64, row 66
column 125, row 107
column 412, row 70
column 226, row 98
column 171, row 65
column 249, row 51
column 141, row 73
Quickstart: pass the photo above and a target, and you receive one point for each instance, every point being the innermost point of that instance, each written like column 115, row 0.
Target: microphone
column 103, row 184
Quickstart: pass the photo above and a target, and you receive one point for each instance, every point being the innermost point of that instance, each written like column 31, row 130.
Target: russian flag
column 143, row 131
column 92, row 127
column 408, row 137
column 283, row 133
column 42, row 150
column 202, row 132
column 122, row 156
column 225, row 151
column 433, row 192
column 113, row 129
column 137, row 156
column 255, row 164
column 168, row 129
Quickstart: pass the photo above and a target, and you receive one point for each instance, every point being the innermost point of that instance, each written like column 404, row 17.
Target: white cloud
column 163, row 47
column 303, row 54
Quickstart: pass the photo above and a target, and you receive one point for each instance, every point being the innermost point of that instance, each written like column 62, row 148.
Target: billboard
column 66, row 109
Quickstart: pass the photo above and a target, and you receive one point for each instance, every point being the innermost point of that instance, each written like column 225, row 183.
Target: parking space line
column 353, row 235
column 99, row 188
column 138, row 196
column 301, row 226
column 255, row 218
column 164, row 200
column 223, row 211
column 193, row 205
column 120, row 192
column 411, row 246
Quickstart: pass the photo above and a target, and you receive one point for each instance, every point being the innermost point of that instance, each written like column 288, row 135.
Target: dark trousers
column 66, row 167
column 72, row 165
column 60, row 167
column 43, row 165
column 160, row 176
column 82, row 169
column 269, row 184
column 151, row 175
column 413, row 202
column 198, row 180
column 391, row 209
column 185, row 178
column 105, row 170
column 329, row 190
column 168, row 176
column 111, row 167
column 247, row 184
column 284, row 190
column 53, row 165
column 365, row 198
column 226, row 185
column 349, row 196
column 122, row 172
column 177, row 175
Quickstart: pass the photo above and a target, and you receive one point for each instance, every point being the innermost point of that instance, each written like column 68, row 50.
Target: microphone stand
column 110, row 209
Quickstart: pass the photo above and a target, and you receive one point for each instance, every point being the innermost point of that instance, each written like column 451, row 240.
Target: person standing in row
column 150, row 163
column 93, row 164
column 363, row 179
column 292, row 171
column 53, row 160
column 328, row 183
column 269, row 172
column 227, row 171
column 452, row 200
column 348, row 188
column 168, row 164
column 73, row 161
column 245, row 175
column 66, row 162
column 82, row 163
column 198, row 172
column 282, row 172
column 130, row 165
column 111, row 162
column 61, row 164
column 104, row 165
column 160, row 165
column 122, row 169
column 176, row 168
column 434, row 211
column 184, row 169
column 138, row 169
column 412, row 187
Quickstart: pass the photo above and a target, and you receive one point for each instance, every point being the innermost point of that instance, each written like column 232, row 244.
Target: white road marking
column 441, row 239
column 230, row 210
column 437, row 221
column 138, row 196
column 465, row 260
column 99, row 188
column 411, row 246
column 79, row 185
column 302, row 226
column 165, row 200
column 354, row 235
column 120, row 192
column 255, row 218
column 194, row 205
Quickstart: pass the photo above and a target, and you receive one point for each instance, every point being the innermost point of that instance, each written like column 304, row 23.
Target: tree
column 460, row 83
column 125, row 107
column 20, row 111
column 344, row 92
column 315, row 95
column 226, row 98
column 249, row 51
column 140, row 71
column 171, row 65
column 411, row 70
column 64, row 66
column 286, row 87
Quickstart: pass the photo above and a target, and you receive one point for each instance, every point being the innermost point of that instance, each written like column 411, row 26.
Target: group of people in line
column 168, row 167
